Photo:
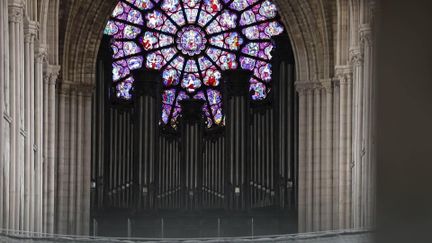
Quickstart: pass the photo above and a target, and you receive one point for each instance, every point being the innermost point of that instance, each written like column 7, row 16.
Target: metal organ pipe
column 122, row 159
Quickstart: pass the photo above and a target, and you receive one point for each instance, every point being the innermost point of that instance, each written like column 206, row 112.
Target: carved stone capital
column 41, row 51
column 69, row 88
column 304, row 87
column 16, row 11
column 346, row 79
column 327, row 85
column 356, row 56
column 51, row 74
column 343, row 74
column 343, row 70
column 30, row 30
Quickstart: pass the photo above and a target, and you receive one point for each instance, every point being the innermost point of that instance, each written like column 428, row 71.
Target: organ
column 247, row 165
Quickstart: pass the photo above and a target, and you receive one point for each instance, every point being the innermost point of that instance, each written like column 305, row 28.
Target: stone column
column 30, row 29
column 74, row 160
column 309, row 158
column 62, row 159
column 83, row 167
column 302, row 158
column 16, row 42
column 344, row 75
column 4, row 69
column 335, row 152
column 327, row 157
column 314, row 167
column 41, row 53
column 356, row 59
column 87, row 93
column 51, row 74
column 367, row 152
column 80, row 161
column 317, row 159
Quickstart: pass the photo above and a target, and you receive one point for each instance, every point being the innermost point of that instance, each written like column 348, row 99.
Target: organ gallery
column 186, row 118
column 200, row 115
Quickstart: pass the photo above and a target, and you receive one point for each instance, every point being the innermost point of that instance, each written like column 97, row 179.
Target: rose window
column 191, row 43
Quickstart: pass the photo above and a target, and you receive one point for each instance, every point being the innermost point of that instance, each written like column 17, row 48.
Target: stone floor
column 349, row 236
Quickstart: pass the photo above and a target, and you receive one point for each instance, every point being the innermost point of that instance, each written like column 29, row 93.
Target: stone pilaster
column 73, row 197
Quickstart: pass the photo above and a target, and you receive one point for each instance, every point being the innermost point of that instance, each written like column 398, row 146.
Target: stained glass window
column 191, row 43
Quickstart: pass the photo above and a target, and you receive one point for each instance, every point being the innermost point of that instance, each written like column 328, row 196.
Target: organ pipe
column 249, row 164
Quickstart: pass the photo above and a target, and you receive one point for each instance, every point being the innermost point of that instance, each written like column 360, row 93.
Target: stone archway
column 309, row 26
